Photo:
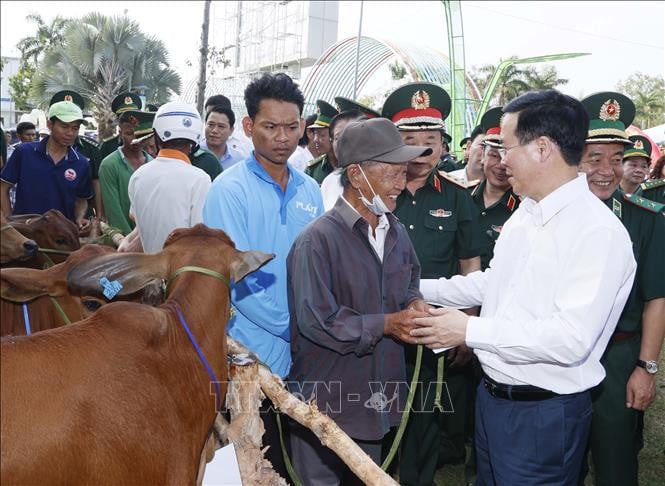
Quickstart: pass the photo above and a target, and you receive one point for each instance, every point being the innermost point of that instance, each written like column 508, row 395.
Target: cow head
column 14, row 246
column 50, row 230
column 200, row 246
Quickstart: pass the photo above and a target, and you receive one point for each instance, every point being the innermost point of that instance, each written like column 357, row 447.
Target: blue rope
column 202, row 356
column 26, row 319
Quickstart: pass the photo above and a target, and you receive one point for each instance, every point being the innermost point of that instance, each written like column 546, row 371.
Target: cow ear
column 247, row 262
column 132, row 271
column 26, row 284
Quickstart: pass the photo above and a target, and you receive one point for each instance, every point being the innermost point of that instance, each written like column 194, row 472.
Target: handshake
column 421, row 323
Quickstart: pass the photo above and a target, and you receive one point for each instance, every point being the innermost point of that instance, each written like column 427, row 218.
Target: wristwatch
column 650, row 366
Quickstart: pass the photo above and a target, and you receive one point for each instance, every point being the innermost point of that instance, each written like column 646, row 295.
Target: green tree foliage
column 517, row 79
column 19, row 86
column 32, row 48
column 101, row 57
column 648, row 94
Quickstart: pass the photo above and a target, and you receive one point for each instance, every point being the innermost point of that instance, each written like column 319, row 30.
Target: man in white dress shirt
column 561, row 273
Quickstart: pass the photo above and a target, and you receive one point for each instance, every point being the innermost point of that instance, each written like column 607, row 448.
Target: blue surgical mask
column 377, row 206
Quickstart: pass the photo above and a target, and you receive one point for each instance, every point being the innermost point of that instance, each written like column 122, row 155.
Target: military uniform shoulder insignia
column 643, row 203
column 459, row 183
column 316, row 160
column 652, row 184
column 511, row 202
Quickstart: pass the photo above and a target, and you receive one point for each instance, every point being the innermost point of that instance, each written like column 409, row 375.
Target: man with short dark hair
column 263, row 203
column 562, row 271
column 219, row 125
column 346, row 331
column 472, row 172
column 631, row 358
column 238, row 141
column 26, row 132
column 50, row 174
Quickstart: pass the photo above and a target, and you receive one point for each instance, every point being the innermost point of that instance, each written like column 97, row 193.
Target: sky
column 622, row 37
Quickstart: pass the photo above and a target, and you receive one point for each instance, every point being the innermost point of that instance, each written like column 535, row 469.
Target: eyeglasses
column 503, row 151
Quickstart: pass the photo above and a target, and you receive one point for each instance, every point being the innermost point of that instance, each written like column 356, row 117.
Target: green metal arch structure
column 333, row 73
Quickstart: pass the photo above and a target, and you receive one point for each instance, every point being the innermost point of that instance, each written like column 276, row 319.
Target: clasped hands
column 423, row 324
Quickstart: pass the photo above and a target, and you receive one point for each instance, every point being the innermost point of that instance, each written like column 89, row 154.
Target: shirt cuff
column 428, row 287
column 478, row 333
column 372, row 331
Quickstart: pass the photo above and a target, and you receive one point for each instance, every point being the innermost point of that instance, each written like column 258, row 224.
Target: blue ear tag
column 111, row 289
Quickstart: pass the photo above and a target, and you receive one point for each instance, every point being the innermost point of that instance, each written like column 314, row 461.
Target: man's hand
column 444, row 328
column 640, row 389
column 83, row 225
column 419, row 305
column 398, row 324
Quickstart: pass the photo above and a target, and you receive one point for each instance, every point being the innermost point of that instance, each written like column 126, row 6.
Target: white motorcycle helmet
column 177, row 120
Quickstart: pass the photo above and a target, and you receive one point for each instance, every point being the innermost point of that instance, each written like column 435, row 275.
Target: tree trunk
column 201, row 92
column 308, row 415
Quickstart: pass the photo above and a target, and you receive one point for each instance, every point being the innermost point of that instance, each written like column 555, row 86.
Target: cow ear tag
column 110, row 289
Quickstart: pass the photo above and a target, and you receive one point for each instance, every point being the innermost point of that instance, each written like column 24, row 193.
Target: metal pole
column 360, row 28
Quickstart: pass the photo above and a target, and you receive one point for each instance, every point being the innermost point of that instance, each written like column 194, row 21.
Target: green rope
column 407, row 410
column 287, row 461
column 60, row 310
column 204, row 271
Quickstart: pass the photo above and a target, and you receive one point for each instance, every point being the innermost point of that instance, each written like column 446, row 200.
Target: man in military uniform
column 636, row 162
column 120, row 104
column 493, row 197
column 652, row 189
column 320, row 167
column 447, row 162
column 631, row 357
column 89, row 149
column 472, row 173
column 441, row 220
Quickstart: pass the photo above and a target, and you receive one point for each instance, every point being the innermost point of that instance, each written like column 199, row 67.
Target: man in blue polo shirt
column 49, row 174
column 263, row 204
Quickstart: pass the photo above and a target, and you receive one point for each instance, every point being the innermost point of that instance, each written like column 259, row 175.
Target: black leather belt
column 520, row 393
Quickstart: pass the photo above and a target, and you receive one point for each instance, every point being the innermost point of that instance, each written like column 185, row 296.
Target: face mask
column 377, row 206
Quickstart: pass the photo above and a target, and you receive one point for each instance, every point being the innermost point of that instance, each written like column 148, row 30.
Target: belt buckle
column 491, row 388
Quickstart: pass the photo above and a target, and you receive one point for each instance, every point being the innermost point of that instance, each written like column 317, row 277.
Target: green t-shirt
column 319, row 168
column 491, row 220
column 442, row 223
column 646, row 228
column 114, row 174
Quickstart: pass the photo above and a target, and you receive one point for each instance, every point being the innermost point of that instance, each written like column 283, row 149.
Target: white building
column 8, row 115
column 265, row 36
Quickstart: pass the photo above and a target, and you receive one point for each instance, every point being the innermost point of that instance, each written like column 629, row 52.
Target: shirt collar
column 70, row 154
column 557, row 200
column 255, row 166
column 174, row 154
column 350, row 216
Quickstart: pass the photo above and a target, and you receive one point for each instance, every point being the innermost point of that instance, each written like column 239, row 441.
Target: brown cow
column 123, row 397
column 52, row 231
column 37, row 289
column 13, row 245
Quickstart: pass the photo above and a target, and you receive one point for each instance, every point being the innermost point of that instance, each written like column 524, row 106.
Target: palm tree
column 649, row 107
column 546, row 79
column 47, row 36
column 100, row 57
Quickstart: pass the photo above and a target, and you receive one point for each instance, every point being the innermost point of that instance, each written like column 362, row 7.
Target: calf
column 52, row 231
column 38, row 293
column 13, row 245
column 123, row 397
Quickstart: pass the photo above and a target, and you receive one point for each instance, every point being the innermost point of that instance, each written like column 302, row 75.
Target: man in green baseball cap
column 323, row 165
column 630, row 360
column 50, row 174
column 441, row 220
column 87, row 147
